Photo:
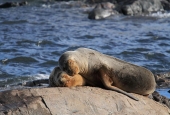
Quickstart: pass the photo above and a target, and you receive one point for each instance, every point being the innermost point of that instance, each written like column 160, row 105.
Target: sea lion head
column 62, row 80
column 59, row 78
column 68, row 63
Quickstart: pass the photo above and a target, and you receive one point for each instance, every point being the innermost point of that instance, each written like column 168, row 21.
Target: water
column 34, row 36
column 164, row 92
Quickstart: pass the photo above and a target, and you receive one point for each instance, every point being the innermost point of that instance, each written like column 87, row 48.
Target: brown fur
column 99, row 69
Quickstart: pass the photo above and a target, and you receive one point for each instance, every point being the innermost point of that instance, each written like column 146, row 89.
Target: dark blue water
column 33, row 37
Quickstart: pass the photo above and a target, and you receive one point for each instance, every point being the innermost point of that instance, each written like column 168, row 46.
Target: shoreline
column 158, row 95
column 52, row 101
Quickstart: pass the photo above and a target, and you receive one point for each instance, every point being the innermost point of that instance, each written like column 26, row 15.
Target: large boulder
column 166, row 4
column 138, row 7
column 128, row 7
column 163, row 80
column 161, row 99
column 77, row 101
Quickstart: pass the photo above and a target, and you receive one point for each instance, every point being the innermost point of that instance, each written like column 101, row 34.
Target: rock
column 102, row 10
column 77, row 100
column 166, row 4
column 135, row 7
column 161, row 99
column 12, row 4
column 163, row 80
column 139, row 7
column 100, row 1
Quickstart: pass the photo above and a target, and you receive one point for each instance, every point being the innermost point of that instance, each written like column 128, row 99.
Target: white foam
column 41, row 76
column 160, row 14
column 46, row 6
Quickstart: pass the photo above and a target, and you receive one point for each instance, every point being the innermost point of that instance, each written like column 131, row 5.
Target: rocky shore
column 77, row 100
column 163, row 80
column 35, row 97
column 105, row 8
column 127, row 7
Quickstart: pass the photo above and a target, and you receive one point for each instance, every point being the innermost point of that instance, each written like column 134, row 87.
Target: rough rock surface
column 165, row 4
column 130, row 7
column 163, row 80
column 161, row 99
column 138, row 7
column 77, row 101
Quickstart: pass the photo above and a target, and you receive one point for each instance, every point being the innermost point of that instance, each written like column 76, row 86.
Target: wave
column 14, row 22
column 14, row 81
column 41, row 76
column 160, row 14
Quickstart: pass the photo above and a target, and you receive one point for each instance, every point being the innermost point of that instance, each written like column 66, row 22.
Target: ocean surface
column 33, row 37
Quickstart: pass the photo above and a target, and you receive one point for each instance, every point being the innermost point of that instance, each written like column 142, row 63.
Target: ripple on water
column 22, row 59
column 8, row 50
column 49, row 63
column 14, row 22
column 154, row 55
column 138, row 49
column 25, row 42
column 5, row 78
column 168, row 51
column 46, row 43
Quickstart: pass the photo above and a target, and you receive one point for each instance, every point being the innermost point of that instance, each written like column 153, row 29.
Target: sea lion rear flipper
column 121, row 91
column 107, row 82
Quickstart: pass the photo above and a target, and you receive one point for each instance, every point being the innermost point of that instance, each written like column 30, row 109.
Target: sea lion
column 103, row 70
column 60, row 78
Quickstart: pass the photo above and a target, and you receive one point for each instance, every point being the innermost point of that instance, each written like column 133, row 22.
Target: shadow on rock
column 163, row 80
